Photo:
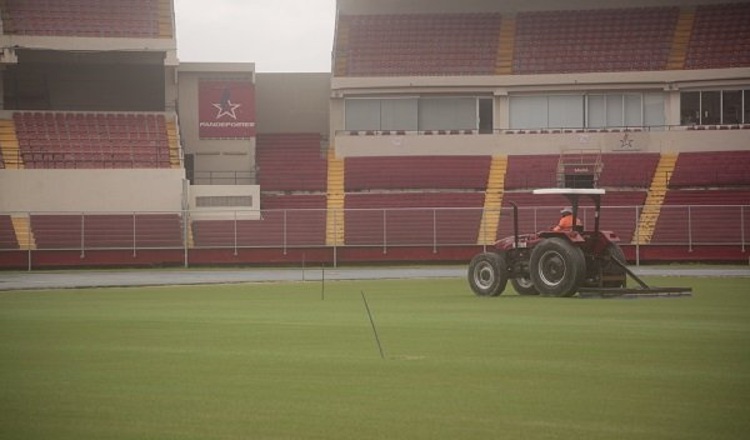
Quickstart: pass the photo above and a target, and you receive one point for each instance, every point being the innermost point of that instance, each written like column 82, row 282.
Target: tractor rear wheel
column 488, row 274
column 612, row 274
column 557, row 267
column 524, row 286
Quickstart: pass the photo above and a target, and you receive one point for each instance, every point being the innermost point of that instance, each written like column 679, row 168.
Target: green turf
column 275, row 361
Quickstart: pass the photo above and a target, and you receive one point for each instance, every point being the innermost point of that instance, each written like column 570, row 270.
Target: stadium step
column 9, row 146
column 24, row 234
column 493, row 199
column 342, row 47
column 335, row 200
column 681, row 39
column 504, row 61
column 655, row 198
column 165, row 19
column 174, row 144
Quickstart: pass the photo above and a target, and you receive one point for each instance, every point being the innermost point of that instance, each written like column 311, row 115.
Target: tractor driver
column 566, row 220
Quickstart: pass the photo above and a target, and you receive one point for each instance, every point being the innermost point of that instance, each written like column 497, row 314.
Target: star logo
column 227, row 108
column 626, row 143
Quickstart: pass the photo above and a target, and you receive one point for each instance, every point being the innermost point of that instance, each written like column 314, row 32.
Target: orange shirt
column 566, row 223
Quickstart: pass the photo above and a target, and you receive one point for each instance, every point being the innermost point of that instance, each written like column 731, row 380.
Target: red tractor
column 558, row 263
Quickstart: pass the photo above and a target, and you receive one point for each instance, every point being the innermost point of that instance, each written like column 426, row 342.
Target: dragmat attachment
column 644, row 291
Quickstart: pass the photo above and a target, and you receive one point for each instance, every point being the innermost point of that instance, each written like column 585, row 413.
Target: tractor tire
column 609, row 269
column 557, row 267
column 524, row 286
column 488, row 275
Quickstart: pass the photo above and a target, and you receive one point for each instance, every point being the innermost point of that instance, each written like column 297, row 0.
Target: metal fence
column 383, row 228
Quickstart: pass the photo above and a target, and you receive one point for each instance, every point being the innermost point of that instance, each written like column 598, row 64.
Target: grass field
column 279, row 361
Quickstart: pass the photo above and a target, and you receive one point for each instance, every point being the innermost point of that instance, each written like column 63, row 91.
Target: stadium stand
column 291, row 219
column 416, row 172
column 720, row 37
column 711, row 169
column 92, row 140
column 713, row 217
column 291, row 162
column 628, row 170
column 418, row 44
column 8, row 238
column 86, row 231
column 418, row 218
column 531, row 171
column 605, row 40
column 85, row 18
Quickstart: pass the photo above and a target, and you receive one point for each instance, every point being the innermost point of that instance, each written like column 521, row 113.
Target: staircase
column 504, row 62
column 681, row 39
column 341, row 48
column 174, row 144
column 9, row 146
column 165, row 19
column 190, row 239
column 655, row 198
column 335, row 200
column 493, row 199
column 24, row 234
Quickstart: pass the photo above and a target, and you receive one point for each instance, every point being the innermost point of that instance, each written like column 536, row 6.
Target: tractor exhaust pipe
column 515, row 224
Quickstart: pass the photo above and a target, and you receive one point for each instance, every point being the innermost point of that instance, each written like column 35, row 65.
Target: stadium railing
column 384, row 229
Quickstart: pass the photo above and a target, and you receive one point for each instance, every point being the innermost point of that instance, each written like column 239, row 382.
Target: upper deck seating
column 420, row 44
column 720, row 37
column 92, row 140
column 291, row 162
column 597, row 40
column 416, row 172
column 711, row 169
column 82, row 18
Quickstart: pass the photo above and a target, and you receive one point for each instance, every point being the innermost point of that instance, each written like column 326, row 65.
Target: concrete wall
column 677, row 140
column 106, row 190
column 506, row 6
column 293, row 102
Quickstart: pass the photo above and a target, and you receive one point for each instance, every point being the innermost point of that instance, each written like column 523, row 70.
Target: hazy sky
column 276, row 35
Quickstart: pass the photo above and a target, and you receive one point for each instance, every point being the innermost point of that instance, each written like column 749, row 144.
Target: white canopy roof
column 571, row 191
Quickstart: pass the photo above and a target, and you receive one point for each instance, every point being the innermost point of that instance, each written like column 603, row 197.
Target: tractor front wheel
column 488, row 274
column 524, row 286
column 557, row 267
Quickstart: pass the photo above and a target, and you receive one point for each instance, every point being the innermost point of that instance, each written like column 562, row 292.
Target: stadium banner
column 226, row 109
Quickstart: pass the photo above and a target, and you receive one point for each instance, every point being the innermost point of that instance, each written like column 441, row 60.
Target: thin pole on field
column 323, row 282
column 372, row 323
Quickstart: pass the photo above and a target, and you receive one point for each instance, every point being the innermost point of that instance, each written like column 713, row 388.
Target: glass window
column 690, row 108
column 565, row 111
column 710, row 108
column 399, row 114
column 597, row 113
column 486, row 115
column 528, row 112
column 614, row 110
column 731, row 107
column 746, row 107
column 653, row 110
column 633, row 111
column 447, row 113
column 362, row 114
